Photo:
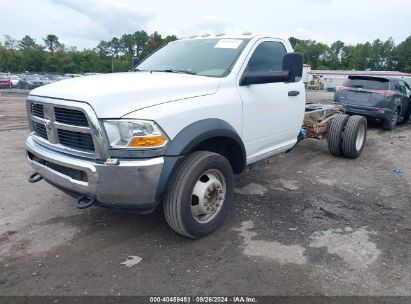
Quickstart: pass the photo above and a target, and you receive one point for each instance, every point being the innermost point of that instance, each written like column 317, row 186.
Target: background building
column 329, row 79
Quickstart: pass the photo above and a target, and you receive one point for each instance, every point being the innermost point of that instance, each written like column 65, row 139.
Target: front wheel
column 199, row 195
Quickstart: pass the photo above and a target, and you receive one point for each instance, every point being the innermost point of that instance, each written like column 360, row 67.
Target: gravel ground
column 305, row 224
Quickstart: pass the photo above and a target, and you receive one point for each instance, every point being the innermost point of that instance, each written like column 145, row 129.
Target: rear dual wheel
column 335, row 134
column 354, row 136
column 346, row 135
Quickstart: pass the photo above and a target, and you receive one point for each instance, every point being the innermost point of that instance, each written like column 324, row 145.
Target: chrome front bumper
column 130, row 182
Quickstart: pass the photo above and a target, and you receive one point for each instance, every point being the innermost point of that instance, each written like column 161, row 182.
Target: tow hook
column 85, row 201
column 35, row 177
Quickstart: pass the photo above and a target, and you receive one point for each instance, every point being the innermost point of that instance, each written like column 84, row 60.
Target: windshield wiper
column 175, row 71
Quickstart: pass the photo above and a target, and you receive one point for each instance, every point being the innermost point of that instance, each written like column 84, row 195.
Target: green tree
column 154, row 42
column 104, row 48
column 27, row 42
column 140, row 40
column 315, row 53
column 52, row 42
column 10, row 42
column 115, row 45
column 294, row 41
column 116, row 54
column 402, row 56
column 33, row 59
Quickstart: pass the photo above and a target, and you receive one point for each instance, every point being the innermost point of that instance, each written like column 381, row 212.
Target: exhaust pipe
column 85, row 201
column 34, row 177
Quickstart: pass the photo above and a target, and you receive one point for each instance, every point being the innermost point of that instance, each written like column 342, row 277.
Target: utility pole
column 112, row 54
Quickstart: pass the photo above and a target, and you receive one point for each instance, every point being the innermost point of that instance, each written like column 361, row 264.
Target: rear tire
column 335, row 134
column 390, row 123
column 407, row 115
column 199, row 195
column 354, row 136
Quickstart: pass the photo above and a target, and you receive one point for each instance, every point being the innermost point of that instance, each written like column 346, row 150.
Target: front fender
column 200, row 131
column 189, row 138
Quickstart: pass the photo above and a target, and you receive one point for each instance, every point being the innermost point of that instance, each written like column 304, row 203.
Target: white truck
column 175, row 130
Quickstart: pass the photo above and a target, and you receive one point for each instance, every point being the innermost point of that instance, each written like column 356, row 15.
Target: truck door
column 272, row 112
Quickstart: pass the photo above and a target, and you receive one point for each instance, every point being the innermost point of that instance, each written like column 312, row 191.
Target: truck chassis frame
column 318, row 118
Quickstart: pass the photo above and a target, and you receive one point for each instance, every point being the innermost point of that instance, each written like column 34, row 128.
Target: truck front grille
column 68, row 128
column 37, row 110
column 76, row 140
column 40, row 130
column 71, row 117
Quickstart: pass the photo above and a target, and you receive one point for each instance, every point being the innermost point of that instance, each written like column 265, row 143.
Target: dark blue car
column 386, row 99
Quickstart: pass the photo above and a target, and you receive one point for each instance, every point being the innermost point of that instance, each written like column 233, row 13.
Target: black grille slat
column 37, row 110
column 80, row 143
column 81, row 140
column 40, row 130
column 71, row 117
column 76, row 140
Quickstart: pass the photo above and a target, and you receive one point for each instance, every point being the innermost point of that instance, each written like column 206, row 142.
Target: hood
column 115, row 95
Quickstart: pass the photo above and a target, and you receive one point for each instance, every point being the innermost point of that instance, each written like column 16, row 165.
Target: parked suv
column 386, row 99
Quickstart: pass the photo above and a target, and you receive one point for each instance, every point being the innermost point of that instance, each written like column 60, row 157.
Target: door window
column 267, row 57
column 398, row 86
column 402, row 87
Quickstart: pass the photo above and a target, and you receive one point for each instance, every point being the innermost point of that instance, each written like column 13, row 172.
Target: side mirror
column 292, row 71
column 293, row 62
column 135, row 61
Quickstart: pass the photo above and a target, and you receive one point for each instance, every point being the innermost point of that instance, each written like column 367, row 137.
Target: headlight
column 137, row 134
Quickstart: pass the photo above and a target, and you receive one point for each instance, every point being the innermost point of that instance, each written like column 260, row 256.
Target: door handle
column 293, row 93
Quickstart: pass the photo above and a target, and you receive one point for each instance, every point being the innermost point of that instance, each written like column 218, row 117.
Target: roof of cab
column 228, row 36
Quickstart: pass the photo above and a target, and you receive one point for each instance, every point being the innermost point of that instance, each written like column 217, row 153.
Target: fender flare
column 190, row 137
column 200, row 131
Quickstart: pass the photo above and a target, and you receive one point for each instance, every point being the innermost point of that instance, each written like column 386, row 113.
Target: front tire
column 199, row 195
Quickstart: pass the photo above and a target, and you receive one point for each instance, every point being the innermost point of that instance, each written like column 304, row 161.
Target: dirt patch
column 307, row 223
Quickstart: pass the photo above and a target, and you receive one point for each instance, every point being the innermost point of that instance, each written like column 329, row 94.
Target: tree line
column 377, row 55
column 116, row 55
column 52, row 56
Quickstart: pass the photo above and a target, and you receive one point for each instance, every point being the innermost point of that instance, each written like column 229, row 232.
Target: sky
column 83, row 23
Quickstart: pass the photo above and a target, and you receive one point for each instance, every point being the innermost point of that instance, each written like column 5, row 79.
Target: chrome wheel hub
column 395, row 117
column 360, row 137
column 208, row 196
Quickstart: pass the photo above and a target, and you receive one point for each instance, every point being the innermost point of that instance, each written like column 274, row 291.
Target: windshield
column 206, row 57
column 368, row 83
